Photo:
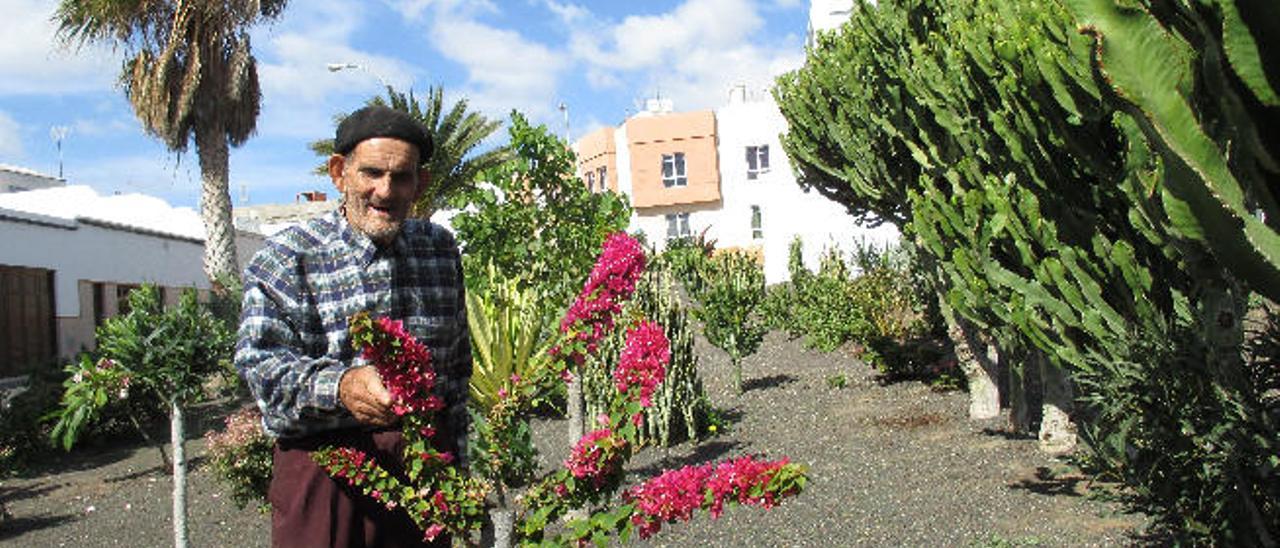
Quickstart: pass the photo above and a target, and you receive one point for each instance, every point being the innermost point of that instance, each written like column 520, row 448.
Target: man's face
column 379, row 181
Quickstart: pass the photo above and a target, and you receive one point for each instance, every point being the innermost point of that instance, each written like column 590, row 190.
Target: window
column 673, row 170
column 99, row 303
column 757, row 161
column 122, row 298
column 757, row 229
column 591, row 181
column 678, row 226
column 602, row 175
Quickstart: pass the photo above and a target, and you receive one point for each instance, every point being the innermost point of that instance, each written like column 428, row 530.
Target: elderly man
column 294, row 350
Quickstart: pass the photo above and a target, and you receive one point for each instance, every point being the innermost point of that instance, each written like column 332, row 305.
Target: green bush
column 727, row 306
column 688, row 259
column 1202, row 459
column 241, row 456
column 24, row 434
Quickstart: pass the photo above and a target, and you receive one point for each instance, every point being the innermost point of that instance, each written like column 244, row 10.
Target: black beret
column 379, row 121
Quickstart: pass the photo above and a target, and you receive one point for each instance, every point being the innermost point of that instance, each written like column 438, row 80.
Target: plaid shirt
column 299, row 292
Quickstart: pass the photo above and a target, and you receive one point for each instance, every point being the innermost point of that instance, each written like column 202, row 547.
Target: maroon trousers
column 309, row 509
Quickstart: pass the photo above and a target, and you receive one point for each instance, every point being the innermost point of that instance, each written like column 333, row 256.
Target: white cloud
column 692, row 54
column 34, row 61
column 569, row 14
column 504, row 69
column 645, row 41
column 416, row 10
column 10, row 137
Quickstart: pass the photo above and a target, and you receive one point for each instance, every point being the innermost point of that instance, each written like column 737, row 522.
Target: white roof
column 25, row 171
column 135, row 211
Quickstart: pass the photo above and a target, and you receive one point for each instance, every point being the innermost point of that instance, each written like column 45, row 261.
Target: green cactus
column 1062, row 219
column 680, row 404
column 1202, row 82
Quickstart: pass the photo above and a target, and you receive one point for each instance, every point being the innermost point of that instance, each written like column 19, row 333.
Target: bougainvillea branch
column 441, row 498
column 437, row 496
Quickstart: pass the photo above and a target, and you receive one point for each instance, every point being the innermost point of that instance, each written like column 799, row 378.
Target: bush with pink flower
column 442, row 498
column 241, row 457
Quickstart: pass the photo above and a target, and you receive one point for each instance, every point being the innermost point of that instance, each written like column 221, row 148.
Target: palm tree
column 455, row 134
column 189, row 72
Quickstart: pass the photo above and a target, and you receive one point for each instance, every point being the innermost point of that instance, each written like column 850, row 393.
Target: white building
column 721, row 174
column 69, row 257
column 19, row 179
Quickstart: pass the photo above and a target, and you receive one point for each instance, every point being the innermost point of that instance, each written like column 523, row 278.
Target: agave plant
column 509, row 336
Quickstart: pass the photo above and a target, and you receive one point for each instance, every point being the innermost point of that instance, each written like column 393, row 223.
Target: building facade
column 69, row 258
column 722, row 175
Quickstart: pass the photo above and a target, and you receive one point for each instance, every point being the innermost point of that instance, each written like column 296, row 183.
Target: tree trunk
column 178, row 436
column 575, row 409
column 1057, row 432
column 977, row 357
column 1020, row 416
column 220, row 262
column 502, row 519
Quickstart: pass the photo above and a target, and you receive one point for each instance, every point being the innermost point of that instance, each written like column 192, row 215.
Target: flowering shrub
column 241, row 457
column 643, row 361
column 434, row 493
column 596, row 457
column 675, row 494
column 612, row 281
column 441, row 499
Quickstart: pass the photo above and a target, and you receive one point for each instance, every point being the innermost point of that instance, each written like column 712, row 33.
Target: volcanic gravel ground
column 890, row 465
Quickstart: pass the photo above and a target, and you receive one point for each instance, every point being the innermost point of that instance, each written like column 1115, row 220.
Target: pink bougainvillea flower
column 597, row 456
column 612, row 281
column 643, row 361
column 675, row 494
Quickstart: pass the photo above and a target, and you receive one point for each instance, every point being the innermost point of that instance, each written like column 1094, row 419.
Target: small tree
column 167, row 354
column 732, row 292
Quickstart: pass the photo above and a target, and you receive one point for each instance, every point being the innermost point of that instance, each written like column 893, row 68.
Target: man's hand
column 362, row 393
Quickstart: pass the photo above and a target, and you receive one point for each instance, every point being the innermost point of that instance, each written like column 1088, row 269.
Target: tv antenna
column 58, row 134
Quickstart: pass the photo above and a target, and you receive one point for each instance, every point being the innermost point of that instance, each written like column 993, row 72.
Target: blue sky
column 598, row 58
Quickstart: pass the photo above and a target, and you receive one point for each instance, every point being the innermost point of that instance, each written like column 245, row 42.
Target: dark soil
column 890, row 465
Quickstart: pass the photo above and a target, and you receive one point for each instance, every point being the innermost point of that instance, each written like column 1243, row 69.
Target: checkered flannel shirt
column 299, row 292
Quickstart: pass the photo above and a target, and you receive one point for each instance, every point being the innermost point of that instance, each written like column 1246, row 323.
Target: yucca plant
column 509, row 336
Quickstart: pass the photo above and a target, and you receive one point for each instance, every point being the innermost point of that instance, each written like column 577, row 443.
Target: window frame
column 680, row 223
column 757, row 161
column 757, row 223
column 678, row 175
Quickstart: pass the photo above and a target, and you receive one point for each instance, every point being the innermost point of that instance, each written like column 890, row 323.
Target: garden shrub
column 241, row 455
column 24, row 432
column 727, row 306
column 687, row 259
column 1203, row 460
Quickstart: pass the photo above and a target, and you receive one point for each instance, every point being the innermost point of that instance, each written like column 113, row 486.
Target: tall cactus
column 1203, row 81
column 680, row 404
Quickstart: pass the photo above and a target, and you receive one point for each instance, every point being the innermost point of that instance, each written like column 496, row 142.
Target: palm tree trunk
column 178, row 436
column 215, row 204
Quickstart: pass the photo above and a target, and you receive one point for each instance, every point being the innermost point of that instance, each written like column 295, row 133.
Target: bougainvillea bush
column 441, row 497
column 241, row 457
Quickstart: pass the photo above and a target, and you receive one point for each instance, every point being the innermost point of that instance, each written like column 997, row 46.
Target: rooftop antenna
column 58, row 133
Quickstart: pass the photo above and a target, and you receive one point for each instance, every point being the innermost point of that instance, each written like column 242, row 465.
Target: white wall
column 82, row 251
column 787, row 211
